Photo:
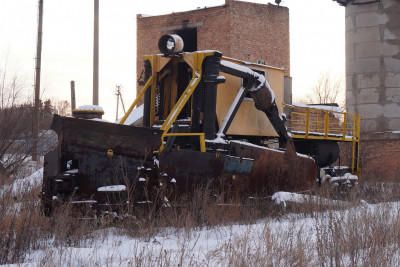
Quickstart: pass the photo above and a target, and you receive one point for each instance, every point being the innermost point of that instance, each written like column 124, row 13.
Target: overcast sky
column 316, row 36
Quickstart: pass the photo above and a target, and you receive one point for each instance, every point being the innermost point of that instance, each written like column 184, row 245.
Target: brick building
column 242, row 30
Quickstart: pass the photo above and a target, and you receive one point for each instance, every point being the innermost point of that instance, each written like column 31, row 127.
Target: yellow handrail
column 201, row 135
column 149, row 81
column 305, row 123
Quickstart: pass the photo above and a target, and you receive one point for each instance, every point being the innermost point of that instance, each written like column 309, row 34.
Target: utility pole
column 96, row 54
column 119, row 96
column 35, row 126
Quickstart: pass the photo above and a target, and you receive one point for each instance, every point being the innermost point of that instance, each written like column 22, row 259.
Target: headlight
column 170, row 44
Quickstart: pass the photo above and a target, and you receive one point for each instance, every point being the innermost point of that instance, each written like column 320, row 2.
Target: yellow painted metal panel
column 188, row 58
column 249, row 120
column 157, row 61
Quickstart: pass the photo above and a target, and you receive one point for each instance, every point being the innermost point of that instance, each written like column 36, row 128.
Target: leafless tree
column 328, row 89
column 15, row 123
column 16, row 113
column 62, row 107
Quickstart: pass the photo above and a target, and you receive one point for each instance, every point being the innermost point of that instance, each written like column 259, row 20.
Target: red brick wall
column 379, row 158
column 261, row 32
column 242, row 30
column 214, row 34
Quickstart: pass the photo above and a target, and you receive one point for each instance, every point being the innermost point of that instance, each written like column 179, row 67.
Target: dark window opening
column 189, row 37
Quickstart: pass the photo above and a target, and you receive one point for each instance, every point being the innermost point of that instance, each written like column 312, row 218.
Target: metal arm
column 262, row 94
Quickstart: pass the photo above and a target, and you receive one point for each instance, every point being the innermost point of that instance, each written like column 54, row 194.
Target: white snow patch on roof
column 255, row 64
column 97, row 119
column 208, row 51
column 90, row 107
column 323, row 107
column 135, row 115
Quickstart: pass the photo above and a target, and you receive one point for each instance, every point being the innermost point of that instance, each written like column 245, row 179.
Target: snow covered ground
column 355, row 235
column 24, row 185
column 292, row 240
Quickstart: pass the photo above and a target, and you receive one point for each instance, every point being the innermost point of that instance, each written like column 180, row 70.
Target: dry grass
column 315, row 233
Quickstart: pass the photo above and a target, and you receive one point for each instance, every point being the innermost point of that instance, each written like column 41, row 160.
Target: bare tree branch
column 328, row 89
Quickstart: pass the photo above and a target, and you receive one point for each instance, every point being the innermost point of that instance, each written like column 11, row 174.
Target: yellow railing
column 315, row 123
column 139, row 96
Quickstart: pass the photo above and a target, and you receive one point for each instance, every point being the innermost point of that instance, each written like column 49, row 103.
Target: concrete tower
column 373, row 83
column 373, row 63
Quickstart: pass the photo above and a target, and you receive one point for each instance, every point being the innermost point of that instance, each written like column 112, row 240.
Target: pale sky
column 316, row 36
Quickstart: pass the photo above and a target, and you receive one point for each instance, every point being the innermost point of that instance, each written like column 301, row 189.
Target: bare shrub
column 16, row 125
column 317, row 233
column 21, row 226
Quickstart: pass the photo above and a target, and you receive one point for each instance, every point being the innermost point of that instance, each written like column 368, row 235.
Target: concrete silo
column 373, row 63
column 373, row 81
